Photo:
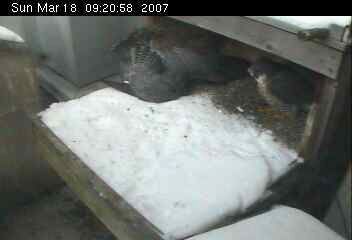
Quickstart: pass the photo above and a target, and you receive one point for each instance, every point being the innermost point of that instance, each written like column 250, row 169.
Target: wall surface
column 23, row 176
column 79, row 48
column 14, row 23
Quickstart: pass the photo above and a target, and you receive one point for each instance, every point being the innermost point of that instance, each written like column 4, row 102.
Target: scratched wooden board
column 120, row 218
column 334, row 40
column 18, row 86
column 334, row 93
column 315, row 56
column 23, row 177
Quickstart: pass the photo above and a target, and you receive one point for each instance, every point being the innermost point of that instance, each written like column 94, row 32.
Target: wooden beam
column 315, row 56
column 329, row 109
column 18, row 83
column 120, row 218
column 334, row 40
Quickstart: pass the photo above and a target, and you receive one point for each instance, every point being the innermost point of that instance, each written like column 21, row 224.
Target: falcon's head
column 262, row 69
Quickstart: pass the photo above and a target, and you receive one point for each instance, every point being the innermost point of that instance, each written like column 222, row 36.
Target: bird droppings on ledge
column 228, row 97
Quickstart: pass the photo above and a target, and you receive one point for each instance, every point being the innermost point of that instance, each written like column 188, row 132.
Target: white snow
column 314, row 21
column 8, row 35
column 281, row 223
column 182, row 164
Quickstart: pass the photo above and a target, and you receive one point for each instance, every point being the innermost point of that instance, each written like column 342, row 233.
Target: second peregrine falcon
column 281, row 86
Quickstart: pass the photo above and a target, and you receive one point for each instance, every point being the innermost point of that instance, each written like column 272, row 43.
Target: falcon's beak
column 253, row 74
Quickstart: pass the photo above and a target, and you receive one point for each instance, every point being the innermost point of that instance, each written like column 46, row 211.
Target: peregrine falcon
column 161, row 65
column 282, row 87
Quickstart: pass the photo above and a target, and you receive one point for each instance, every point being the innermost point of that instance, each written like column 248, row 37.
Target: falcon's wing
column 291, row 88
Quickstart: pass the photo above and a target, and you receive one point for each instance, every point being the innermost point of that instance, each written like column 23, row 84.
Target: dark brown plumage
column 281, row 86
column 162, row 63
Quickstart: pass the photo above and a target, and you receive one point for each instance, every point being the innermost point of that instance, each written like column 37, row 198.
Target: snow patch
column 182, row 164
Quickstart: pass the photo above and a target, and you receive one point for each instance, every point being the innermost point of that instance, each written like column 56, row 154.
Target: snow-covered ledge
column 183, row 164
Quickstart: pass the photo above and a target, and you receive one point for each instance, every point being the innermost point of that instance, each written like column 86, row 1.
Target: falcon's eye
column 252, row 73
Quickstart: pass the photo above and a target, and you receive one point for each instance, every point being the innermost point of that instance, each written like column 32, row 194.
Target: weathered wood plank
column 121, row 219
column 328, row 111
column 18, row 86
column 334, row 40
column 317, row 57
column 23, row 176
